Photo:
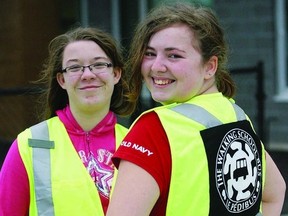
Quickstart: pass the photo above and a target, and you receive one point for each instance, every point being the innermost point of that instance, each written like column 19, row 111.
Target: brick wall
column 250, row 32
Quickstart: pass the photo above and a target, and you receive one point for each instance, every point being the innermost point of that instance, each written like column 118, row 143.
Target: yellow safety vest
column 58, row 186
column 205, row 170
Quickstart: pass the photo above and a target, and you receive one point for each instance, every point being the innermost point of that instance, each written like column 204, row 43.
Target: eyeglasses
column 98, row 67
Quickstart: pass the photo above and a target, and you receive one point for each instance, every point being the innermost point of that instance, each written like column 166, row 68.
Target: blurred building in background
column 256, row 31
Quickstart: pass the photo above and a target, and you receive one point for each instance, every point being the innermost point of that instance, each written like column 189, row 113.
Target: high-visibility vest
column 59, row 183
column 218, row 168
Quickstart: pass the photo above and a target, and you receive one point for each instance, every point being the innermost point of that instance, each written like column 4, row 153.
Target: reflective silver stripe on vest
column 239, row 112
column 202, row 116
column 42, row 168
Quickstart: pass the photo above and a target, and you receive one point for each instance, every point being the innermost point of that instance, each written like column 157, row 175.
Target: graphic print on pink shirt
column 100, row 169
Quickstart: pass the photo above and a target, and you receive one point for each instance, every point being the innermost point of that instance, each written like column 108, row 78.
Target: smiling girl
column 205, row 159
column 62, row 166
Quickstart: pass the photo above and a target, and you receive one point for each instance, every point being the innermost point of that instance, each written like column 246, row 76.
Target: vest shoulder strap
column 202, row 116
column 42, row 167
column 40, row 136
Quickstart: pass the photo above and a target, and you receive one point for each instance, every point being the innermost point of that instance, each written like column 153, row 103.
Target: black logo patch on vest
column 235, row 169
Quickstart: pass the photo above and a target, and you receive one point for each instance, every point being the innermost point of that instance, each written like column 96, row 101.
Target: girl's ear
column 211, row 67
column 61, row 80
column 117, row 74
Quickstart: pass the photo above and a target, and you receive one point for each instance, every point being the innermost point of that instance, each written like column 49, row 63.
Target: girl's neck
column 89, row 119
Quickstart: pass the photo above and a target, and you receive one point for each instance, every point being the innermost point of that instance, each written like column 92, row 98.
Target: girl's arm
column 14, row 185
column 274, row 189
column 135, row 193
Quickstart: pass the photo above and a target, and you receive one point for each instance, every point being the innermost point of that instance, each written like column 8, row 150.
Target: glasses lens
column 74, row 69
column 98, row 67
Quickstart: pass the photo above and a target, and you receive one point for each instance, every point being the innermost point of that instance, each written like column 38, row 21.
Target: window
column 102, row 14
column 281, row 11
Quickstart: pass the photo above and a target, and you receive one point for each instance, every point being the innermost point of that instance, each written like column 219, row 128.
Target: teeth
column 161, row 82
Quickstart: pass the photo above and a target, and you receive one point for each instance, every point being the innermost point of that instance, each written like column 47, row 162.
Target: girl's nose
column 87, row 73
column 158, row 65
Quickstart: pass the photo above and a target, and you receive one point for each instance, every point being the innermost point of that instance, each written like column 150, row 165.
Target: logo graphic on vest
column 238, row 171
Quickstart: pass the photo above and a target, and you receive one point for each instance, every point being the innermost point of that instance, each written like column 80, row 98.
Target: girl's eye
column 174, row 56
column 147, row 53
column 75, row 67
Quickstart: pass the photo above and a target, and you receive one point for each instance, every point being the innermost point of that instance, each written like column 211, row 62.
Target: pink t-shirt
column 95, row 148
column 147, row 146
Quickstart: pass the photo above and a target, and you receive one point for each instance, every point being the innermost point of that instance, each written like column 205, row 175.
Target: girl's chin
column 161, row 100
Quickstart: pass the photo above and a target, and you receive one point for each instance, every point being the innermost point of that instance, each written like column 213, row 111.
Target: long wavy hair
column 55, row 98
column 205, row 26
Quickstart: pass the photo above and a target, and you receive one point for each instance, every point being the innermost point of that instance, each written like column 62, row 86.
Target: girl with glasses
column 62, row 166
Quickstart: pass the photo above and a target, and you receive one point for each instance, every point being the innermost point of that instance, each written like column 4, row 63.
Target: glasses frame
column 82, row 67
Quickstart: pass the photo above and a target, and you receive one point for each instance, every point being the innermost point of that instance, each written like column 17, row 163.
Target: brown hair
column 56, row 98
column 202, row 22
